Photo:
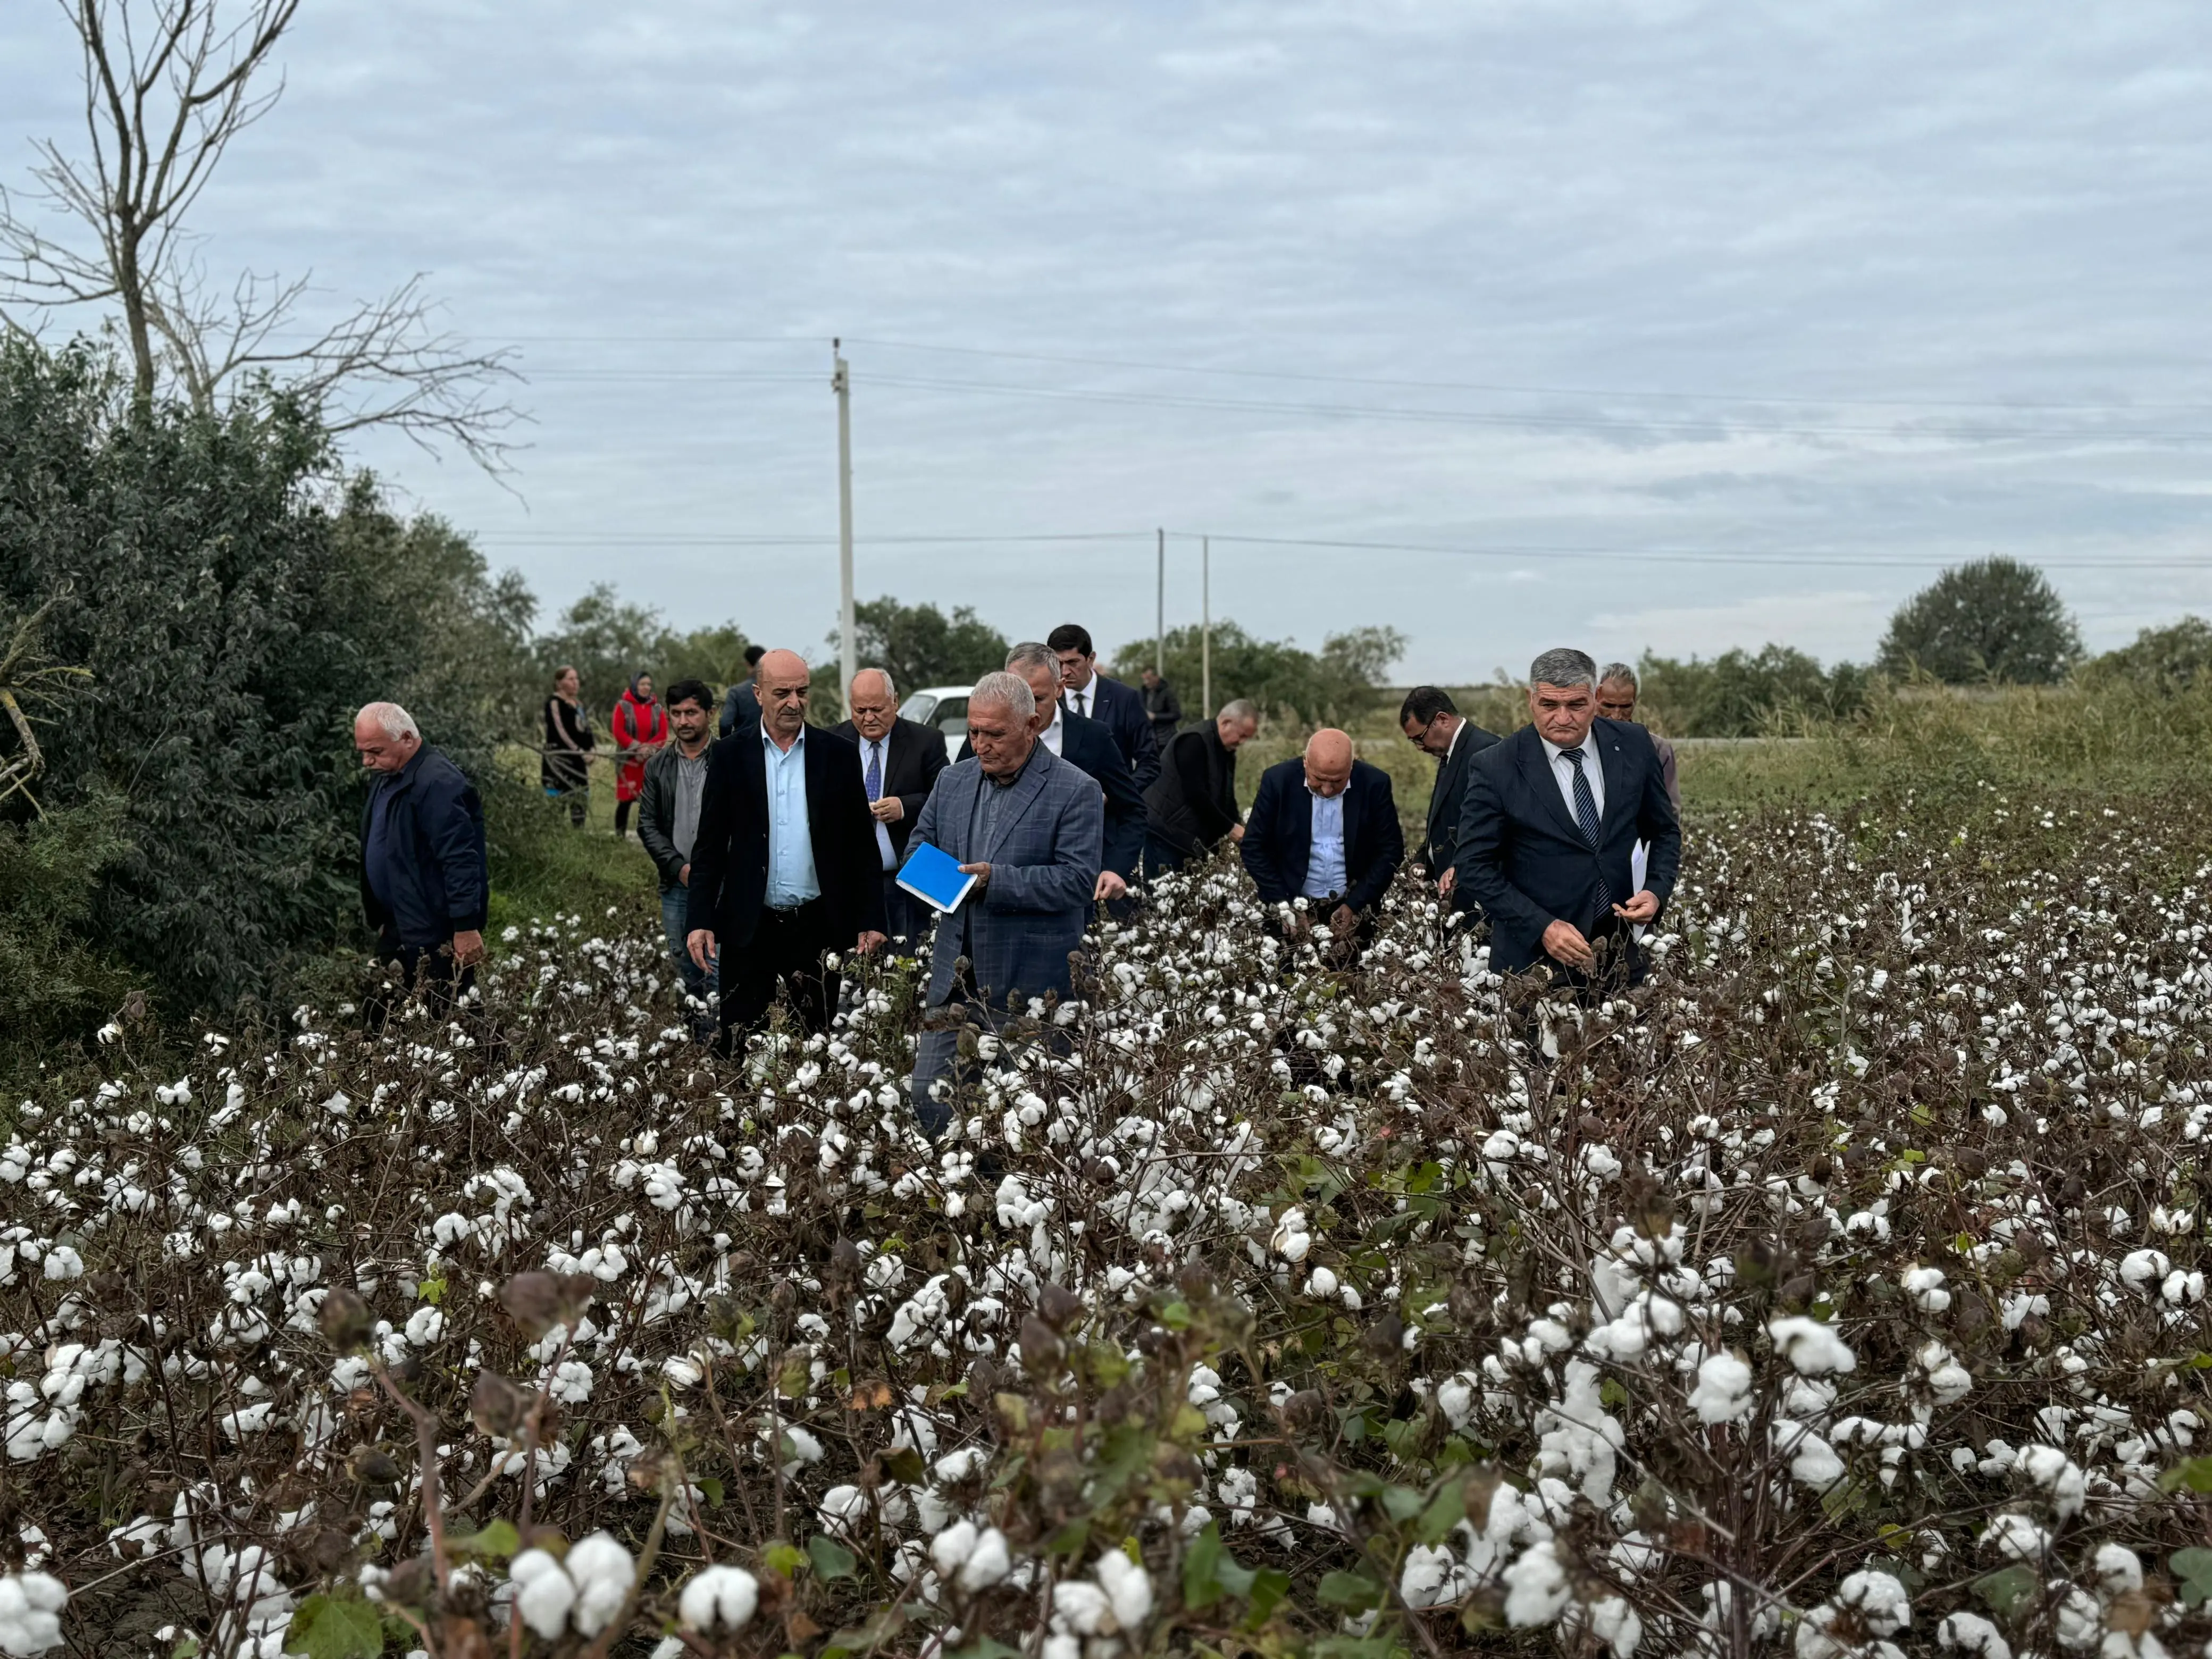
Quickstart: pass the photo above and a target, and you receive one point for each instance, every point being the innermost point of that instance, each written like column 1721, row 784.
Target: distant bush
column 2174, row 657
column 1993, row 619
column 1340, row 683
column 1741, row 694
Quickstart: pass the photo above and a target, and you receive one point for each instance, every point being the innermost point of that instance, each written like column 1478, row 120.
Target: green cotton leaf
column 1269, row 1586
column 780, row 1557
column 1445, row 1510
column 2195, row 1472
column 830, row 1560
column 496, row 1542
column 1401, row 1503
column 337, row 1627
column 710, row 1488
column 2004, row 1590
column 984, row 1648
column 1070, row 1538
column 1355, row 1592
column 2193, row 1567
column 1201, row 1563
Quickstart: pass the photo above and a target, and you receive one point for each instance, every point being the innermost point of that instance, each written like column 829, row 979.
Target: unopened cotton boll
column 603, row 1572
column 719, row 1599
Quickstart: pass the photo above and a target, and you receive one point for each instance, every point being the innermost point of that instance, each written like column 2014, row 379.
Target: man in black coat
column 1163, row 707
column 1120, row 708
column 1433, row 725
column 1325, row 828
column 785, row 866
column 1194, row 802
column 900, row 760
column 425, row 885
column 1085, row 745
column 1550, row 821
column 741, row 705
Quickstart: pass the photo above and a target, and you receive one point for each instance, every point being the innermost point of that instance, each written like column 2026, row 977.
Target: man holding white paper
column 1030, row 828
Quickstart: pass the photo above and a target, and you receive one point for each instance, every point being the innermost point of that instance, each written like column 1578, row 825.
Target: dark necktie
column 875, row 771
column 1586, row 816
column 1076, row 703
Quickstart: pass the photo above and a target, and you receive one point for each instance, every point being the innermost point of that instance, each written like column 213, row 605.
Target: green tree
column 1338, row 684
column 2174, row 657
column 920, row 645
column 607, row 639
column 1993, row 619
column 1741, row 694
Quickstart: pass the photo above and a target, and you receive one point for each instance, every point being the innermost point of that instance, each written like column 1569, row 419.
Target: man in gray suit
column 1030, row 828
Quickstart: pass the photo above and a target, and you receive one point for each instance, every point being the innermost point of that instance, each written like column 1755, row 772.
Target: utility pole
column 840, row 382
column 1160, row 614
column 1206, row 625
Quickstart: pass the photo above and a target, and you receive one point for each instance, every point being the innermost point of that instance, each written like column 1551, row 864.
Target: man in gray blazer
column 1030, row 828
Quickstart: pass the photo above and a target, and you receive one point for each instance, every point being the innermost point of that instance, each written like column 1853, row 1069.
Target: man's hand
column 1342, row 920
column 1448, row 881
column 870, row 941
column 1642, row 908
column 684, row 875
column 981, row 872
column 1110, row 886
column 890, row 809
column 1564, row 942
column 468, row 948
column 1235, row 832
column 700, row 941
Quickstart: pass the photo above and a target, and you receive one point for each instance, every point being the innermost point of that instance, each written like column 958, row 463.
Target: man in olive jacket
column 425, row 887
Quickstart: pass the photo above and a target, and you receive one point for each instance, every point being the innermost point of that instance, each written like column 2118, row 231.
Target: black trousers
column 786, row 953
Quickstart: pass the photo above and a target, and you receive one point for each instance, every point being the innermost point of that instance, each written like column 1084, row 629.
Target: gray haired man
column 425, row 884
column 1029, row 827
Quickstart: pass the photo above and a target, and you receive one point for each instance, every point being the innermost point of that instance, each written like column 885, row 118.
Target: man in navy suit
column 900, row 760
column 1120, row 708
column 1547, row 826
column 1433, row 725
column 785, row 867
column 1324, row 828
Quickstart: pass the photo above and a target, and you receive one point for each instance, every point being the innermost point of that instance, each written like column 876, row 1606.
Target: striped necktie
column 1586, row 816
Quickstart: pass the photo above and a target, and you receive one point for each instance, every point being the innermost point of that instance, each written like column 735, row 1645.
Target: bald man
column 784, row 868
column 1324, row 828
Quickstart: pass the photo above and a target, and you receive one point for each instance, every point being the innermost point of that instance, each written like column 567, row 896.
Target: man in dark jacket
column 424, row 883
column 785, row 868
column 1433, row 725
column 1162, row 707
column 1324, row 828
column 1549, row 828
column 741, row 706
column 1193, row 804
column 668, row 823
column 900, row 760
column 1120, row 708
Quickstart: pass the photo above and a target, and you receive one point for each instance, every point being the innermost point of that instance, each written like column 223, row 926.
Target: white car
column 942, row 708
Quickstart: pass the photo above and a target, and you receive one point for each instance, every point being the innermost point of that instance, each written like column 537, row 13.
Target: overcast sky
column 1568, row 293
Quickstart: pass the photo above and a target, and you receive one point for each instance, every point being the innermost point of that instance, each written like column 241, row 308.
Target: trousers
column 697, row 981
column 784, row 953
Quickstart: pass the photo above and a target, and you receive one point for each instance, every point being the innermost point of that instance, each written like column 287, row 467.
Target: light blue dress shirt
column 1325, row 865
column 791, row 876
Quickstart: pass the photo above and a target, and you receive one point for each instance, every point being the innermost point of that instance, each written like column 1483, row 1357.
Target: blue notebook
column 935, row 877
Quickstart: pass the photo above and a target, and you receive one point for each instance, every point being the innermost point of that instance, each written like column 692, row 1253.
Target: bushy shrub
column 1341, row 682
column 1741, row 694
column 1993, row 619
column 2171, row 659
column 1840, row 1292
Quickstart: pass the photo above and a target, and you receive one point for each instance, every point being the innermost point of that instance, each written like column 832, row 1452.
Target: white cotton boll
column 2052, row 1470
column 1321, row 1282
column 1291, row 1240
column 1081, row 1607
column 843, row 1507
column 424, row 1326
column 2016, row 1538
column 1925, row 1287
column 1811, row 1347
column 544, row 1593
column 1617, row 1624
column 31, row 1606
column 988, row 1564
column 951, row 1548
column 1129, row 1588
column 1880, row 1600
column 2141, row 1267
column 681, row 1371
column 1535, row 1587
column 603, row 1572
column 2118, row 1568
column 719, row 1599
column 1350, row 1298
column 1813, row 1462
column 1723, row 1390
column 1973, row 1636
column 62, row 1263
column 2180, row 1287
column 1456, row 1399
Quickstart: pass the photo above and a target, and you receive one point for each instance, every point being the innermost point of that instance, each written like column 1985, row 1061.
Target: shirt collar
column 1589, row 746
column 1458, row 732
column 776, row 753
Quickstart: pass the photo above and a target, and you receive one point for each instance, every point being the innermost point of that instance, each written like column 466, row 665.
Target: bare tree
column 168, row 84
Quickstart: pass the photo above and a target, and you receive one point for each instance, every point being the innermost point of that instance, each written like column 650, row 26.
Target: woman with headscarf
column 640, row 727
column 564, row 747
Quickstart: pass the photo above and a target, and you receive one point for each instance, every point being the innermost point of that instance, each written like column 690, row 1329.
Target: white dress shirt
column 878, row 751
column 1083, row 702
column 1053, row 733
column 1563, row 771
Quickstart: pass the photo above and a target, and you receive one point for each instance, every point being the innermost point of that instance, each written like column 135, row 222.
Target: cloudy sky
column 1635, row 324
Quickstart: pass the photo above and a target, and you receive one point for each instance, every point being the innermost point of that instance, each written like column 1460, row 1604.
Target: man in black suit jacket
column 741, row 704
column 1433, row 725
column 1120, row 708
column 1084, row 744
column 784, row 868
column 1551, row 818
column 900, row 760
column 1194, row 805
column 1325, row 828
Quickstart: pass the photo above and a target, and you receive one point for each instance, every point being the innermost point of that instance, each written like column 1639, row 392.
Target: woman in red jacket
column 640, row 727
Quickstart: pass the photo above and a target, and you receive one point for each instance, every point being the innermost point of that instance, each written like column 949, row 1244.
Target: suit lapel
column 1351, row 818
column 1024, row 790
column 1536, row 769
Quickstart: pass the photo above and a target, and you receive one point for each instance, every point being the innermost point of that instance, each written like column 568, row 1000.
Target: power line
column 1681, row 555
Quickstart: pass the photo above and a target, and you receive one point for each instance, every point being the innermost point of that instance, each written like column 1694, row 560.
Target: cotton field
column 1841, row 1292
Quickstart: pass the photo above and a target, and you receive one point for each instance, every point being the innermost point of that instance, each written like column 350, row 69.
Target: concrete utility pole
column 840, row 382
column 1206, row 625
column 1160, row 614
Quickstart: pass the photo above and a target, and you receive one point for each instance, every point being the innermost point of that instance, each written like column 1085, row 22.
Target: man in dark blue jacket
column 1325, row 828
column 1548, row 826
column 1120, row 708
column 424, row 883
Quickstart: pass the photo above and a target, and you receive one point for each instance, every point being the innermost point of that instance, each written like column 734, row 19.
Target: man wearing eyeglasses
column 1433, row 725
